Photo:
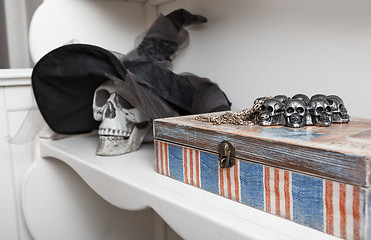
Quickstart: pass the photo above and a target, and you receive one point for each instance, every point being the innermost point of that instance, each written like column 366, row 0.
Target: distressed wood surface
column 340, row 152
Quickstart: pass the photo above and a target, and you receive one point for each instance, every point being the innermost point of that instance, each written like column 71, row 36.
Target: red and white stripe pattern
column 162, row 158
column 278, row 192
column 191, row 166
column 343, row 210
column 229, row 182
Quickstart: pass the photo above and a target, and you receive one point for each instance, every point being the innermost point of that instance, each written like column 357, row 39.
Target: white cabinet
column 15, row 103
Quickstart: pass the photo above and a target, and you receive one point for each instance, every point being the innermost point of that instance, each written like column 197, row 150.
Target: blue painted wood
column 209, row 169
column 307, row 194
column 252, row 184
column 176, row 163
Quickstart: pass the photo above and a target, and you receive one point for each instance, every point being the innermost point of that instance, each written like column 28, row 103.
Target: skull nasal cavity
column 110, row 111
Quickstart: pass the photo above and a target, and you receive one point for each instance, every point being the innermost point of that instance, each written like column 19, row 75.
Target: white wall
column 108, row 24
column 16, row 32
column 256, row 48
column 15, row 17
column 4, row 61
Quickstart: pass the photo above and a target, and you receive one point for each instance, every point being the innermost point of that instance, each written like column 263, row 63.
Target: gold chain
column 245, row 117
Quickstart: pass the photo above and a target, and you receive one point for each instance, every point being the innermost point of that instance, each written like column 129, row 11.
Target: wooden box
column 315, row 176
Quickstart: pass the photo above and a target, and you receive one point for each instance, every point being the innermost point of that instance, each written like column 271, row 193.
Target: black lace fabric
column 65, row 79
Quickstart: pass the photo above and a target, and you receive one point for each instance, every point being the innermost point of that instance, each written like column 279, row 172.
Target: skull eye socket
column 124, row 104
column 101, row 97
column 300, row 110
column 290, row 110
column 328, row 109
column 319, row 109
column 262, row 108
column 270, row 109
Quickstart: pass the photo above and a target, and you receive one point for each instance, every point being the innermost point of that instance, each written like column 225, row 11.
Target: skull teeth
column 113, row 132
column 295, row 118
column 325, row 118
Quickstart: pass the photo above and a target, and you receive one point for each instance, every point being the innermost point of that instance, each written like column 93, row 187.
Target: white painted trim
column 35, row 161
column 9, row 221
column 15, row 77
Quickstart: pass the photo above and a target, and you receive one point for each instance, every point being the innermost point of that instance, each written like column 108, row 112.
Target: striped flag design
column 343, row 209
column 162, row 158
column 277, row 192
column 332, row 207
column 229, row 182
column 191, row 166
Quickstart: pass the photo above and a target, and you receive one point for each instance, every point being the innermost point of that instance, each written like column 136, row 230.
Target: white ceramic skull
column 295, row 112
column 271, row 113
column 320, row 111
column 123, row 127
column 339, row 112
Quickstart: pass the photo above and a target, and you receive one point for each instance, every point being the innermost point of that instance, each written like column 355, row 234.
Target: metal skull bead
column 320, row 111
column 282, row 98
column 305, row 98
column 295, row 112
column 301, row 96
column 339, row 112
column 271, row 113
column 123, row 127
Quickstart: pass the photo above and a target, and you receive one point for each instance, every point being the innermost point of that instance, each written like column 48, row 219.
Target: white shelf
column 130, row 182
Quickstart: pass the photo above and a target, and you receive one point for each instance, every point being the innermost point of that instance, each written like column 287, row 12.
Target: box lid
column 340, row 152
